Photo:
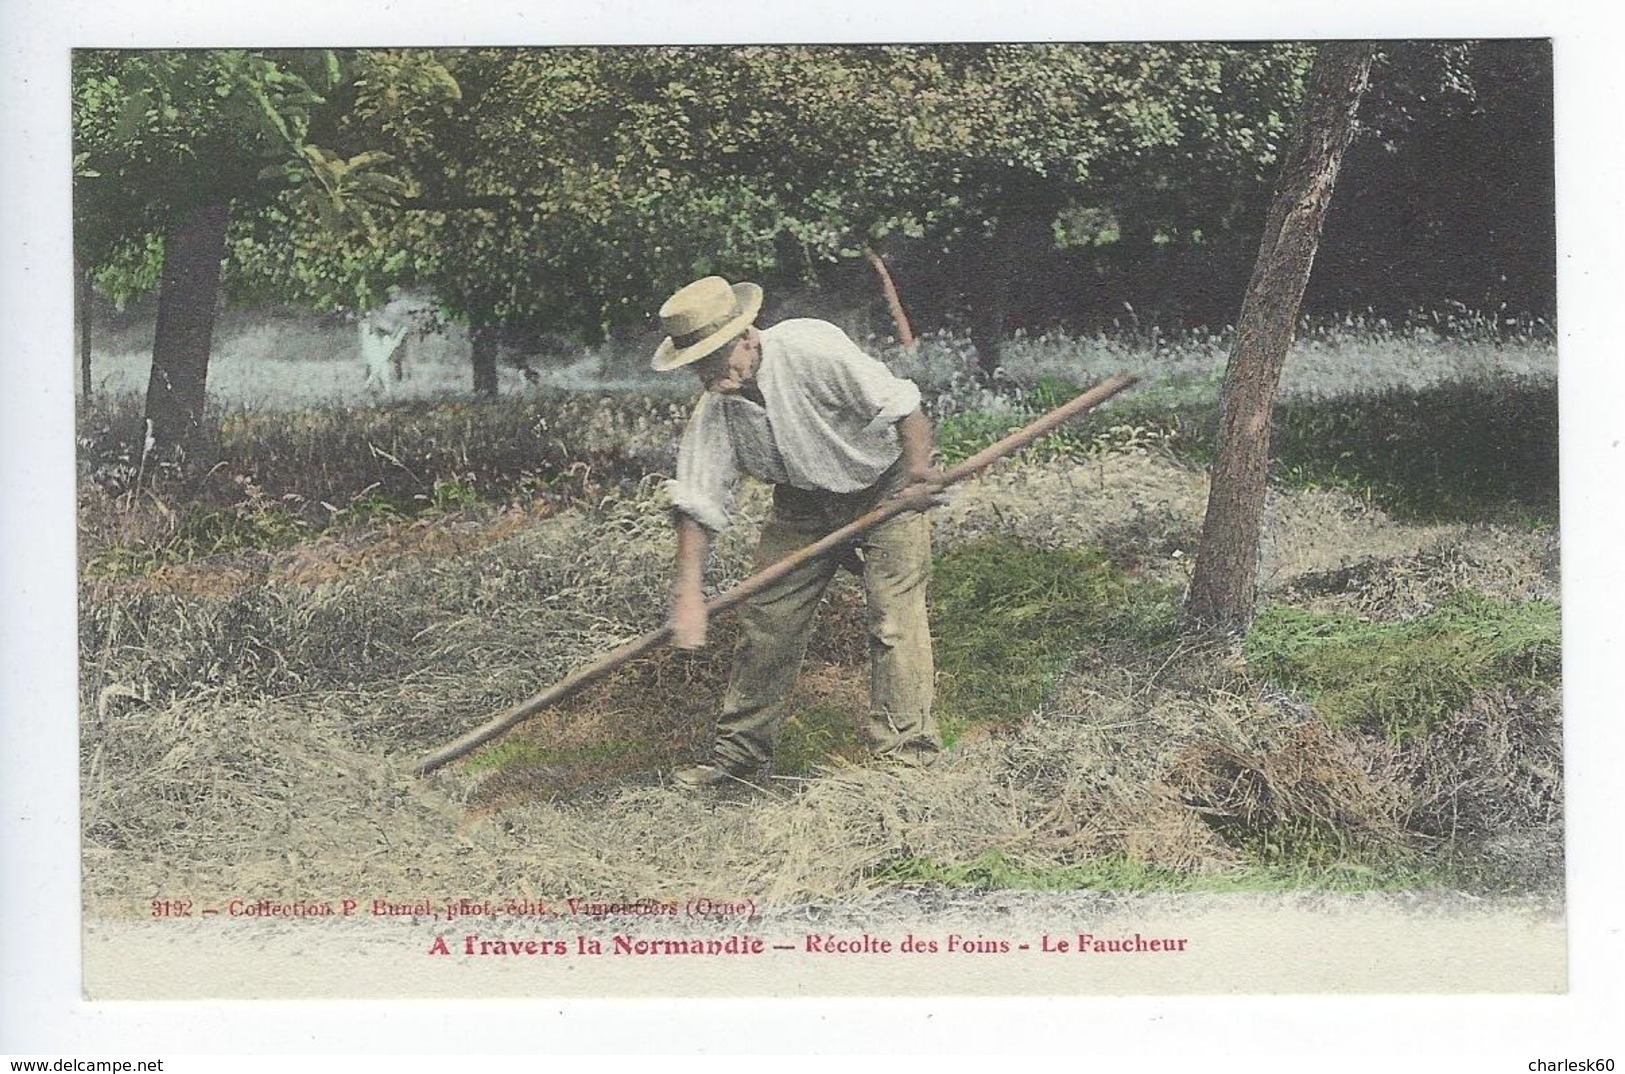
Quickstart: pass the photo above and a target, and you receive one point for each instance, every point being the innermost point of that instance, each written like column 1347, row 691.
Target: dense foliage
column 1010, row 185
column 575, row 187
column 159, row 134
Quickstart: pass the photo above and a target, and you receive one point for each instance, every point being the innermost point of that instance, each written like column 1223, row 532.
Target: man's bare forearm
column 688, row 614
column 693, row 546
column 914, row 436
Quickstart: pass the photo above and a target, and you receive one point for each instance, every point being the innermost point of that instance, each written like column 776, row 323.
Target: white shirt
column 829, row 423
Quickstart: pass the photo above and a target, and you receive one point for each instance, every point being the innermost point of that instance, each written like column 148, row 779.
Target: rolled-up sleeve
column 706, row 470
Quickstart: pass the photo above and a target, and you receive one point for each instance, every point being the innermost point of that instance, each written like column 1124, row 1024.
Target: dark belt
column 835, row 508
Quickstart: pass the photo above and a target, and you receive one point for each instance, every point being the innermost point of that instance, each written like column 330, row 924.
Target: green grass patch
column 1310, row 846
column 1009, row 618
column 814, row 735
column 963, row 434
column 1471, row 452
column 1456, row 453
column 993, row 870
column 199, row 535
column 1400, row 679
column 522, row 753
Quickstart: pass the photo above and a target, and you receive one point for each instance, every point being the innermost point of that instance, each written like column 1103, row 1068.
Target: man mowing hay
column 800, row 406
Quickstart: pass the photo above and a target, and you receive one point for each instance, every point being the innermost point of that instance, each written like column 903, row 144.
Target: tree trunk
column 82, row 293
column 905, row 333
column 1024, row 233
column 988, row 295
column 194, row 246
column 1224, row 588
column 483, row 345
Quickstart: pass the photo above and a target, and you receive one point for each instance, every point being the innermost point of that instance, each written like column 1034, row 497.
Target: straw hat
column 702, row 317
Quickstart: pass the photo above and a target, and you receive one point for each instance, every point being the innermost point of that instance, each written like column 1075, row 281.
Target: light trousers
column 775, row 625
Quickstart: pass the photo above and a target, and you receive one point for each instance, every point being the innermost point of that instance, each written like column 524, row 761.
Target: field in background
column 276, row 625
column 1424, row 422
column 283, row 360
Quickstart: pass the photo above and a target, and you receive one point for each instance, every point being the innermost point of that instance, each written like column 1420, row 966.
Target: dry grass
column 1497, row 764
column 1302, row 785
column 255, row 735
column 1163, row 771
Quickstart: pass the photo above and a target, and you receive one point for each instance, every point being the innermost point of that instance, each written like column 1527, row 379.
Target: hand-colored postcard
column 818, row 520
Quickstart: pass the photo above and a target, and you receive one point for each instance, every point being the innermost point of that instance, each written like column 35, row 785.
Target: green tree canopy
column 166, row 145
column 576, row 187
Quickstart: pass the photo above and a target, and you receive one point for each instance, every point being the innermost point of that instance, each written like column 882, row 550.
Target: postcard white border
column 40, row 1009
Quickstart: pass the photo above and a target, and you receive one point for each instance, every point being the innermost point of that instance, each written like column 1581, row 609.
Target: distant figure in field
column 383, row 349
column 387, row 335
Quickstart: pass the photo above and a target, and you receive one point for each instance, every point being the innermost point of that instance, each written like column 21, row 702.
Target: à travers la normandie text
column 830, row 944
column 526, row 928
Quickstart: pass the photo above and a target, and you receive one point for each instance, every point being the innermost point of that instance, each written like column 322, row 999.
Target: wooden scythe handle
column 613, row 659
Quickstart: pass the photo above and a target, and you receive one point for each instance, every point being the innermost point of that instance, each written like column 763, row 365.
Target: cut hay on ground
column 259, row 742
